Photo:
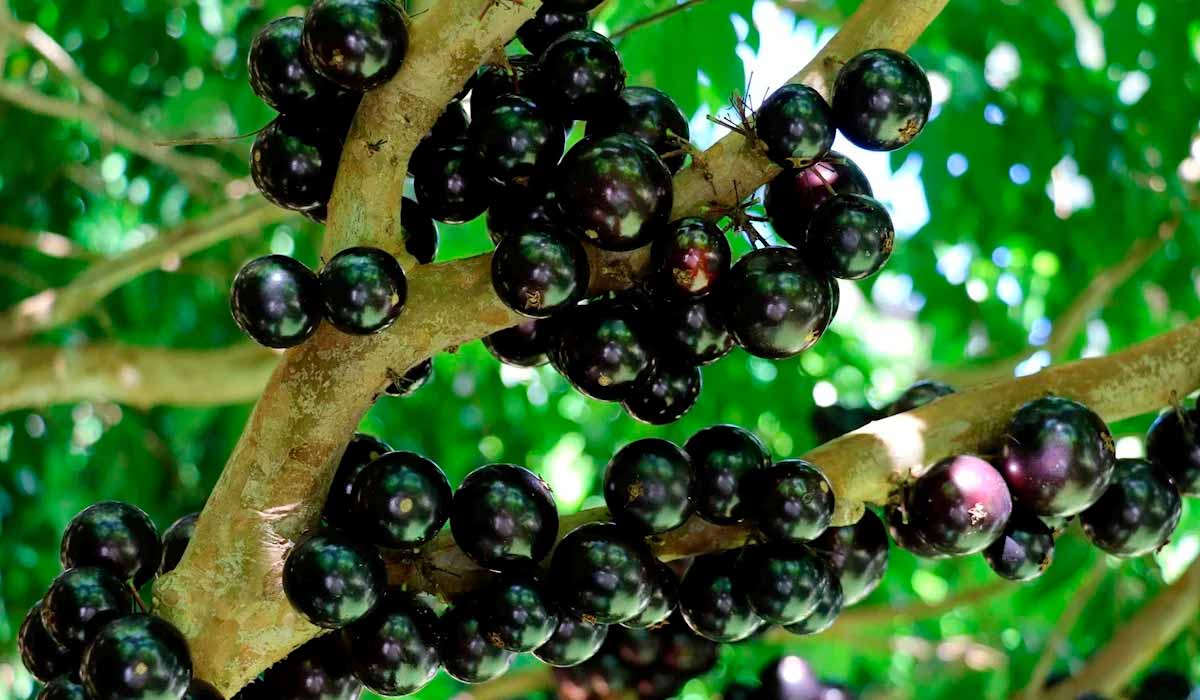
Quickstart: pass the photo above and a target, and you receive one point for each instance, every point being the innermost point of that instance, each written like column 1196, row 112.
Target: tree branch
column 54, row 245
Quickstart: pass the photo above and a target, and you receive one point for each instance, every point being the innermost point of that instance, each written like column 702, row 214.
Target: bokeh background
column 1057, row 175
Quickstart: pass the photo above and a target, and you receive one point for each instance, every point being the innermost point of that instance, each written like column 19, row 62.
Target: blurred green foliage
column 1064, row 133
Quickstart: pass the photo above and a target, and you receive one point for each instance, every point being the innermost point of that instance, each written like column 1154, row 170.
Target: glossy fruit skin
column 615, row 192
column 712, row 601
column 795, row 125
column 684, row 651
column 547, row 25
column 650, row 115
column 602, row 351
column 493, row 81
column 881, row 100
column 1058, row 456
column 573, row 642
column 1173, row 443
column 419, row 232
column 647, row 487
column 906, row 536
column 664, row 596
column 44, row 658
column 602, row 573
column 200, row 690
column 517, row 209
column 408, row 383
column 960, row 506
column 664, row 395
column 691, row 332
column 858, row 554
column 523, row 345
column 521, row 614
column 82, row 601
column 829, row 606
column 138, row 656
column 293, row 165
column 503, row 516
column 792, row 500
column 722, row 457
column 689, row 258
column 832, row 422
column 918, row 395
column 62, row 689
column 783, row 581
column 450, row 184
column 394, row 648
column 1024, row 551
column 276, row 301
column 465, row 652
column 115, row 536
column 1137, row 513
column 279, row 74
column 319, row 670
column 355, row 44
column 402, row 499
column 538, row 273
column 331, row 580
column 175, row 540
column 1165, row 684
column 850, row 237
column 339, row 510
column 793, row 196
column 775, row 305
column 517, row 141
column 364, row 290
column 580, row 71
column 788, row 678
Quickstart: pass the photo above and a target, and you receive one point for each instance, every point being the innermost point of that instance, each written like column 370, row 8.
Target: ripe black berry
column 503, row 515
column 1025, row 549
column 579, row 72
column 279, row 75
column 175, row 540
column 602, row 352
column 796, row 193
column 783, row 581
column 917, row 395
column 332, row 580
column 639, row 648
column 1137, row 513
column 1164, row 684
column 829, row 606
column 689, row 258
column 881, row 100
column 792, row 500
column 1058, row 456
column 788, row 678
column 80, row 602
column 858, row 554
column 319, row 670
column 547, row 25
column 339, row 510
column 538, row 273
column 276, row 301
column 723, row 456
column 523, row 345
column 664, row 394
column 139, row 656
column 466, row 653
column 664, row 595
column 293, row 165
column 408, row 383
column 450, row 184
column 63, row 689
column 44, row 658
column 1173, row 443
column 356, row 44
column 647, row 486
column 573, row 642
column 114, row 536
column 521, row 615
column 684, row 651
column 418, row 230
column 650, row 115
column 907, row 537
column 602, row 573
column 832, row 422
column 775, row 305
column 960, row 506
column 517, row 141
column 850, row 237
column 795, row 125
column 493, row 81
column 201, row 690
column 402, row 499
column 517, row 209
column 713, row 602
column 394, row 648
column 364, row 290
column 692, row 332
column 615, row 191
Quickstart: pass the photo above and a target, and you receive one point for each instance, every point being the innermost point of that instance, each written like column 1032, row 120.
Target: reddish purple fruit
column 691, row 332
column 524, row 345
column 795, row 194
column 1173, row 443
column 689, row 258
column 1024, row 551
column 1137, row 513
column 652, row 116
column 960, row 506
column 906, row 536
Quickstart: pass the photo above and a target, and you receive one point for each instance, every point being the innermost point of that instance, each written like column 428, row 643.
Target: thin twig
column 1062, row 629
column 652, row 19
column 54, row 245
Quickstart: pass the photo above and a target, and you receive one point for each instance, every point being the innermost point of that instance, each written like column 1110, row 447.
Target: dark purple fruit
column 175, row 540
column 1058, row 456
column 503, row 515
column 319, row 670
column 906, row 536
column 796, row 193
column 1173, row 443
column 547, row 25
column 650, row 115
column 524, row 345
column 1165, row 684
column 881, row 100
column 279, row 74
column 517, row 209
column 723, row 456
column 788, row 678
column 691, row 332
column 521, row 614
column 832, row 422
column 517, row 142
column 638, row 648
column 466, row 653
column 602, row 574
column 355, row 44
column 1137, row 513
column 44, row 658
column 783, row 581
column 795, row 125
column 539, row 273
column 394, row 648
column 364, row 290
column 647, row 486
column 139, row 656
column 402, row 499
column 917, row 395
column 293, row 165
column 451, row 184
column 452, row 126
column 114, row 536
column 713, row 601
column 1024, row 551
column 829, row 606
column 602, row 352
column 573, row 642
column 960, row 506
column 408, row 383
column 418, row 230
column 82, row 601
column 689, row 258
column 63, row 688
column 276, row 301
column 664, row 595
column 578, row 72
column 792, row 500
column 339, row 508
column 201, row 690
column 493, row 81
column 615, row 192
column 858, row 554
column 573, row 5
column 775, row 305
column 664, row 394
column 686, row 652
column 332, row 580
column 850, row 237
